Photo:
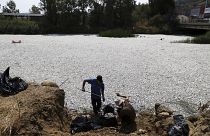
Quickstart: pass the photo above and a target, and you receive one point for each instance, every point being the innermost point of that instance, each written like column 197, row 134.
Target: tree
column 10, row 7
column 163, row 14
column 83, row 4
column 112, row 13
column 96, row 17
column 77, row 15
column 50, row 9
column 109, row 17
column 66, row 6
column 162, row 7
column 69, row 14
column 35, row 10
column 141, row 12
column 43, row 5
column 128, row 8
column 124, row 9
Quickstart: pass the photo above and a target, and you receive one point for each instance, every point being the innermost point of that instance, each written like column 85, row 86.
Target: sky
column 25, row 5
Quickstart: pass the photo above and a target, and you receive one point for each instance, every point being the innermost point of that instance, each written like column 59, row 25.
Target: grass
column 18, row 26
column 202, row 39
column 117, row 33
column 188, row 40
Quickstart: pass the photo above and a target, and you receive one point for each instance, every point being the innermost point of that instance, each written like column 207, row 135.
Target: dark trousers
column 96, row 103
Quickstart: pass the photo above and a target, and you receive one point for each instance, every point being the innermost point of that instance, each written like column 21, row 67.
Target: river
column 148, row 68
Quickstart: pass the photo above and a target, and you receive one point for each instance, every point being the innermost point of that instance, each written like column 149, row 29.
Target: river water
column 148, row 68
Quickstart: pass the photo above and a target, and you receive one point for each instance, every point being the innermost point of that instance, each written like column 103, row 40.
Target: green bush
column 202, row 39
column 157, row 21
column 18, row 26
column 160, row 23
column 188, row 40
column 146, row 30
column 118, row 33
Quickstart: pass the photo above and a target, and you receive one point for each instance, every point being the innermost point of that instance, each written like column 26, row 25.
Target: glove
column 103, row 99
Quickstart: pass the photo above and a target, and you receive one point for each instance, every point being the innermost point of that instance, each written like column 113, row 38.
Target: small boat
column 16, row 41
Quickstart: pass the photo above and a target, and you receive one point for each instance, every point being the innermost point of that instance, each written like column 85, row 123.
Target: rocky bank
column 40, row 110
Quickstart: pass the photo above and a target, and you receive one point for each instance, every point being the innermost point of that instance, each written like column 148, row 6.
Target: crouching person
column 126, row 114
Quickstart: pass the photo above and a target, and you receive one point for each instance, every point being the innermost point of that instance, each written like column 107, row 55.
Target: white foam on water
column 145, row 67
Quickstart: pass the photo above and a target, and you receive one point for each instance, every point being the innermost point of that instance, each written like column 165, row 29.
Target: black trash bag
column 11, row 86
column 83, row 124
column 107, row 121
column 109, row 109
column 180, row 127
column 80, row 124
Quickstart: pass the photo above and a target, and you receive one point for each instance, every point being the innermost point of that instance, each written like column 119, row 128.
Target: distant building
column 195, row 13
column 183, row 19
column 207, row 13
column 204, row 7
column 198, row 10
column 207, row 9
column 29, row 16
column 195, row 10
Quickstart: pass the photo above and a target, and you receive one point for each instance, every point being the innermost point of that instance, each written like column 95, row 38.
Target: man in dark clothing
column 97, row 90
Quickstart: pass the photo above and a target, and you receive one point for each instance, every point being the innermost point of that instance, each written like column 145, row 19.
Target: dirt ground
column 40, row 110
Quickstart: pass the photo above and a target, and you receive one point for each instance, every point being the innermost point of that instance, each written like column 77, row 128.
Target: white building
column 183, row 19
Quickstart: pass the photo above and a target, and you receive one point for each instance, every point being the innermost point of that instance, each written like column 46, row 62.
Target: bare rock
column 142, row 131
column 163, row 115
column 49, row 83
column 162, row 109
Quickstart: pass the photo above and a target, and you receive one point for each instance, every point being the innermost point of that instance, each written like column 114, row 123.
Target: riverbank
column 40, row 110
